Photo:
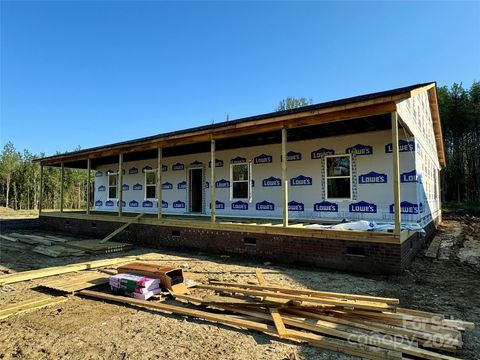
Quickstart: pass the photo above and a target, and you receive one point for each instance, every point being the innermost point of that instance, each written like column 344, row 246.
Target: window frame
column 111, row 186
column 154, row 171
column 338, row 177
column 248, row 181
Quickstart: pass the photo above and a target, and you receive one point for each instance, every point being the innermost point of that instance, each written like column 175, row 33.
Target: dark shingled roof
column 323, row 105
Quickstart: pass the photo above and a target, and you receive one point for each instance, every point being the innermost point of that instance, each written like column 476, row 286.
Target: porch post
column 284, row 178
column 40, row 193
column 120, row 184
column 213, row 199
column 89, row 168
column 396, row 173
column 62, row 171
column 159, row 183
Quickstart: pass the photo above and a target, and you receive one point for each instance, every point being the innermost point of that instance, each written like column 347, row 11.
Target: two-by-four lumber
column 121, row 228
column 328, row 301
column 367, row 352
column 315, row 293
column 41, row 273
column 28, row 305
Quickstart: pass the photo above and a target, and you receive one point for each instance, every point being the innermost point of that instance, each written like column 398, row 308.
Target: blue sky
column 91, row 73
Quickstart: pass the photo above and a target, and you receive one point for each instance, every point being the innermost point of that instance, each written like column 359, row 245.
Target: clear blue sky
column 92, row 73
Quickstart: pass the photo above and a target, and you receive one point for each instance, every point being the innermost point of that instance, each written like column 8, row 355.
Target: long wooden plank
column 77, row 282
column 367, row 352
column 41, row 273
column 29, row 305
column 325, row 301
column 121, row 228
column 317, row 293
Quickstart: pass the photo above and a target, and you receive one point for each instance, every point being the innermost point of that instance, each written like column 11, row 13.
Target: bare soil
column 87, row 329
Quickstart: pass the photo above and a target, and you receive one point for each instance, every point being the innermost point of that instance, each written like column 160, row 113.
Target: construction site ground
column 83, row 328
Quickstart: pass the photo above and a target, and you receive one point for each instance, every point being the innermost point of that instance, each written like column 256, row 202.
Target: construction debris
column 28, row 305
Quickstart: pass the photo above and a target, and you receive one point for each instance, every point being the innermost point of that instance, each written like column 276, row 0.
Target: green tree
column 293, row 103
column 9, row 162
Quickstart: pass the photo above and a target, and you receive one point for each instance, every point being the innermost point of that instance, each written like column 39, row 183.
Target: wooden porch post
column 159, row 183
column 213, row 198
column 62, row 171
column 40, row 193
column 396, row 173
column 120, row 184
column 284, row 178
column 89, row 170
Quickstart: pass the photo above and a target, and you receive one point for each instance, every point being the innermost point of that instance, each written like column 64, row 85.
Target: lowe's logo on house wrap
column 222, row 184
column 133, row 170
column 109, row 203
column 296, row 206
column 360, row 149
column 137, row 186
column 325, row 206
column 218, row 205
column 133, row 203
column 294, row 156
column 196, row 163
column 372, row 178
column 238, row 160
column 271, row 181
column 317, row 154
column 164, row 168
column 102, row 188
column 362, row 207
column 403, row 146
column 239, row 205
column 301, row 180
column 421, row 207
column 98, row 174
column 262, row 159
column 123, row 203
column 108, row 172
column 98, row 203
column 265, row 206
column 147, row 204
column 167, row 186
column 164, row 204
column 179, row 204
column 408, row 177
column 207, row 184
column 125, row 187
column 182, row 185
column 146, row 168
column 178, row 166
column 405, row 208
column 218, row 163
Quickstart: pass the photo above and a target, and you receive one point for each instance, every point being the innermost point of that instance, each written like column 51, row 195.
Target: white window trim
column 338, row 177
column 145, row 184
column 249, row 181
column 109, row 186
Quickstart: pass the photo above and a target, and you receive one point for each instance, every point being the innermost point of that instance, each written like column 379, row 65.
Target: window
column 150, row 184
column 338, row 177
column 240, row 175
column 112, row 185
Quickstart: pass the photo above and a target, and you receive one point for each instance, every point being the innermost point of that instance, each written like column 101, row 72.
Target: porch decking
column 305, row 229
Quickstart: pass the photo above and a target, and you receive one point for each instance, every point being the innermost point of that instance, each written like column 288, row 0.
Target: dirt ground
column 81, row 328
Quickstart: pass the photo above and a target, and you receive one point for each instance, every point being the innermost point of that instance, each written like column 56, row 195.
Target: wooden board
column 29, row 305
column 124, row 226
column 77, row 282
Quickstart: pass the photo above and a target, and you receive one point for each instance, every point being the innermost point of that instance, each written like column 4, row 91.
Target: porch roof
column 363, row 106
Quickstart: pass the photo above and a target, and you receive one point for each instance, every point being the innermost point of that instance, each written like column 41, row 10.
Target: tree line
column 459, row 112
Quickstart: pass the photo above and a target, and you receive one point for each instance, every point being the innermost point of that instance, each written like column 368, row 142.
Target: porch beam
column 396, row 173
column 284, row 178
column 120, row 184
column 213, row 199
column 40, row 193
column 159, row 183
column 62, row 175
column 89, row 168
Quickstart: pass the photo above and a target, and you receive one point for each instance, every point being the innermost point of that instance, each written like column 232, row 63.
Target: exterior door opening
column 196, row 190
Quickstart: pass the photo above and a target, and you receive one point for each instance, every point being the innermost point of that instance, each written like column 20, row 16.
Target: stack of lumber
column 366, row 326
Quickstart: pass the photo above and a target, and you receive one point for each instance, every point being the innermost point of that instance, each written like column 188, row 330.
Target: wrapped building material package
column 140, row 287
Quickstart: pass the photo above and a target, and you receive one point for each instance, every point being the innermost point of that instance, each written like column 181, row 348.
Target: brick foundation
column 345, row 255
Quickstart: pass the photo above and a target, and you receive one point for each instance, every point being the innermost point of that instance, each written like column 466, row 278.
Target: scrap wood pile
column 365, row 326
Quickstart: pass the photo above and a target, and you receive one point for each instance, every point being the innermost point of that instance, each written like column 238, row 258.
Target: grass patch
column 11, row 213
column 468, row 207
